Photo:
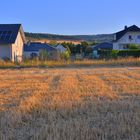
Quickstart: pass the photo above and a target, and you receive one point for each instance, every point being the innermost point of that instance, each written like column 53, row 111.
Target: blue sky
column 71, row 16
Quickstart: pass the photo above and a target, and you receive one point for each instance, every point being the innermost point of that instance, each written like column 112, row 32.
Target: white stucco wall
column 17, row 48
column 5, row 51
column 125, row 40
column 117, row 46
column 61, row 49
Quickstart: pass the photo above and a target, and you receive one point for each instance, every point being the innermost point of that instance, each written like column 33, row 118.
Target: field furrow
column 68, row 104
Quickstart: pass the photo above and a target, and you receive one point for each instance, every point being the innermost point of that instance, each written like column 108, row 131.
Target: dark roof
column 105, row 45
column 9, row 32
column 120, row 34
column 37, row 46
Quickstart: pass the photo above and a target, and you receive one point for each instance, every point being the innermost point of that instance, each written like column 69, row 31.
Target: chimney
column 125, row 27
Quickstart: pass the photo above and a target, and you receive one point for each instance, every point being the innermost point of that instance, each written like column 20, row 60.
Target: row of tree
column 82, row 48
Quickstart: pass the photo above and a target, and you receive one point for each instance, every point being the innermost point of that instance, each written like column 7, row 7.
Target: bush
column 133, row 46
column 65, row 55
column 114, row 53
column 105, row 53
column 126, row 53
column 119, row 53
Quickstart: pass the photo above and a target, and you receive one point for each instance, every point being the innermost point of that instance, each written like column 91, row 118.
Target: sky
column 71, row 17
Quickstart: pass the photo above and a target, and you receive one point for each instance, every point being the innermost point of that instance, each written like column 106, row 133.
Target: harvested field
column 70, row 104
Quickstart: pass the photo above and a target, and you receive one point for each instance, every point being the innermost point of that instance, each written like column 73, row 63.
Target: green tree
column 85, row 44
column 65, row 55
column 53, row 43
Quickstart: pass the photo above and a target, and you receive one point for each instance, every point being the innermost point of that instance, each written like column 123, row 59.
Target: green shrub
column 114, row 53
column 65, row 55
column 126, row 53
column 119, row 53
column 105, row 53
column 133, row 46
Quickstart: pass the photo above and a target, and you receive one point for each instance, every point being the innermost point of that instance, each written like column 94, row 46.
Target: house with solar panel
column 34, row 49
column 130, row 35
column 12, row 39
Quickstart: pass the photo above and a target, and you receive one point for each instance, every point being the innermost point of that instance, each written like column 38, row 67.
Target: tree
column 53, row 42
column 70, row 46
column 85, row 44
column 88, row 50
column 65, row 55
column 79, row 48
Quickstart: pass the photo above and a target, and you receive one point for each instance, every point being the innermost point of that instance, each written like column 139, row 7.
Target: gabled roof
column 37, row 46
column 120, row 34
column 59, row 45
column 104, row 45
column 9, row 32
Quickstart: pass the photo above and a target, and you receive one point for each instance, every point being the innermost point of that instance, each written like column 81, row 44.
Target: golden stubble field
column 70, row 104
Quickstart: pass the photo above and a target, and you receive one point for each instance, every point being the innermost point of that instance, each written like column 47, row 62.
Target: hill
column 44, row 36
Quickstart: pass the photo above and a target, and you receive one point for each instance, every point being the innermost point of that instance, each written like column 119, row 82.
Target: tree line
column 81, row 48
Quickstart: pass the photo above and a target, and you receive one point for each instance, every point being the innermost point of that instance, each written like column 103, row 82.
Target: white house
column 12, row 40
column 60, row 48
column 130, row 35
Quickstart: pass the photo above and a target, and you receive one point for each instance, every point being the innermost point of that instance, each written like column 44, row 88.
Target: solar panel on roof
column 4, row 32
column 2, row 37
column 5, row 35
column 10, row 34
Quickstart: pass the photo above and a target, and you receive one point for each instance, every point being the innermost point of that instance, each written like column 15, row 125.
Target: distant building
column 33, row 49
column 101, row 46
column 12, row 40
column 130, row 35
column 60, row 48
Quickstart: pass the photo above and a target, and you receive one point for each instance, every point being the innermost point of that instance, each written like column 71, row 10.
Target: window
column 138, row 36
column 130, row 37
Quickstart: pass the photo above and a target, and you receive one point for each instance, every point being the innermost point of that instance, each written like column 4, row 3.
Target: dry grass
column 70, row 104
column 119, row 62
column 85, row 63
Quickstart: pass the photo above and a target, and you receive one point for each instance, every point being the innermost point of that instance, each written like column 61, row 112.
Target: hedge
column 119, row 53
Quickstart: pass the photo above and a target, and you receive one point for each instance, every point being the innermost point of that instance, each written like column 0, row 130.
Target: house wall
column 5, row 51
column 17, row 48
column 119, row 45
column 60, row 48
column 27, row 54
column 135, row 38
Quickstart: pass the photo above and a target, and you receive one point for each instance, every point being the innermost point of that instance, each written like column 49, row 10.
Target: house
column 33, row 49
column 130, row 35
column 101, row 46
column 12, row 40
column 60, row 48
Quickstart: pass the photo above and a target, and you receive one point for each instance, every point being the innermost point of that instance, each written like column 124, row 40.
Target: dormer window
column 130, row 37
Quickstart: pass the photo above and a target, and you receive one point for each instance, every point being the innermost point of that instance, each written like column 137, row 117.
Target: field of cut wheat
column 70, row 104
